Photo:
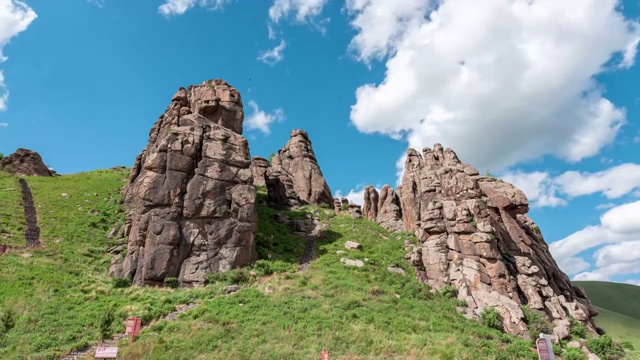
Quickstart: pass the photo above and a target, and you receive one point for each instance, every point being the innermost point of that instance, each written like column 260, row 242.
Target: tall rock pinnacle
column 190, row 193
column 475, row 235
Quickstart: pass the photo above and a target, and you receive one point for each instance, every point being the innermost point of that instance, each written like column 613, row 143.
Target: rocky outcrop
column 259, row 170
column 25, row 162
column 190, row 195
column 383, row 208
column 295, row 177
column 475, row 235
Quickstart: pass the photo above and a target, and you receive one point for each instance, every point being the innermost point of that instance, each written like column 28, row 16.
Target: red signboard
column 325, row 355
column 106, row 353
column 544, row 353
column 3, row 249
column 133, row 327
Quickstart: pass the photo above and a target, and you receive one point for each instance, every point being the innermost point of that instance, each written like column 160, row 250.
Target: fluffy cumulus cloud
column 274, row 55
column 302, row 10
column 544, row 190
column 261, row 120
column 179, row 7
column 617, row 240
column 499, row 81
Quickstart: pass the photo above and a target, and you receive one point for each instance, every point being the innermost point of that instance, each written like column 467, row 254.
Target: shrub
column 7, row 321
column 578, row 329
column 574, row 354
column 106, row 320
column 536, row 323
column 266, row 267
column 120, row 283
column 171, row 282
column 324, row 206
column 448, row 292
column 605, row 348
column 490, row 318
column 1, row 156
column 235, row 276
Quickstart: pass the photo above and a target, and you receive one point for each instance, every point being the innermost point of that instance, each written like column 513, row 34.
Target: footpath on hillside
column 32, row 232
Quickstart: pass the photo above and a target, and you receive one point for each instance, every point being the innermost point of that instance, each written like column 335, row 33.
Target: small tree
column 1, row 156
column 107, row 319
column 271, row 156
column 7, row 321
column 490, row 318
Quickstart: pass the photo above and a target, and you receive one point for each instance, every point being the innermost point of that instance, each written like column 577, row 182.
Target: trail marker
column 545, row 352
column 133, row 328
column 3, row 249
column 106, row 353
column 325, row 355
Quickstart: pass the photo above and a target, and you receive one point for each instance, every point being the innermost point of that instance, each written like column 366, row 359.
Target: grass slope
column 59, row 292
column 619, row 306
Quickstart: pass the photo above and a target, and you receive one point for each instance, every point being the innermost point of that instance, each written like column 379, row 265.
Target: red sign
column 325, row 355
column 3, row 249
column 106, row 353
column 544, row 353
column 133, row 327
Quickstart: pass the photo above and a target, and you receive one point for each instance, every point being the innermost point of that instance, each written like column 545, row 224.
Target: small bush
column 1, row 156
column 235, row 276
column 578, row 329
column 448, row 292
column 171, row 282
column 324, row 206
column 106, row 320
column 605, row 348
column 266, row 267
column 7, row 321
column 120, row 283
column 490, row 318
column 536, row 323
column 574, row 354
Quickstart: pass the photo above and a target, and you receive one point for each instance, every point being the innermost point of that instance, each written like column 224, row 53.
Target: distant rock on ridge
column 383, row 208
column 25, row 162
column 190, row 195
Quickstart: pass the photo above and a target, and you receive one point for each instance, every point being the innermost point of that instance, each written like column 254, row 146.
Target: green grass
column 60, row 294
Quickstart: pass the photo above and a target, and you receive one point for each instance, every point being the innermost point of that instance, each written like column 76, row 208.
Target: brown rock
column 389, row 209
column 191, row 203
column 355, row 211
column 353, row 245
column 259, row 169
column 337, row 205
column 475, row 236
column 370, row 208
column 295, row 177
column 25, row 162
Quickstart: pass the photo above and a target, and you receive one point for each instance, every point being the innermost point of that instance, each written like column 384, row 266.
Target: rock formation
column 383, row 208
column 259, row 169
column 295, row 177
column 190, row 195
column 25, row 162
column 475, row 235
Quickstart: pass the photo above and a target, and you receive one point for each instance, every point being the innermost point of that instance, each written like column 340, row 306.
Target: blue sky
column 542, row 93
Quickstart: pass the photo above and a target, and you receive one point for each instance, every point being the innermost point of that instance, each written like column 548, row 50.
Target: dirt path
column 32, row 233
column 307, row 253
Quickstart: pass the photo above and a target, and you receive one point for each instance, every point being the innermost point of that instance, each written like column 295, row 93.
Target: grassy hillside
column 619, row 306
column 59, row 292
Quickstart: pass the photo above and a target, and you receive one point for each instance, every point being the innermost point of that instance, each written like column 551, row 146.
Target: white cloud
column 613, row 182
column 303, row 10
column 15, row 17
column 273, row 56
column 179, row 7
column 260, row 120
column 519, row 72
column 633, row 282
column 98, row 3
column 538, row 186
column 573, row 265
column 618, row 231
column 272, row 33
column 605, row 206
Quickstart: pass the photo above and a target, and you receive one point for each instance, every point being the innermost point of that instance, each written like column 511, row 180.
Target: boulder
column 389, row 209
column 475, row 235
column 355, row 211
column 396, row 270
column 190, row 196
column 353, row 245
column 295, row 177
column 25, row 162
column 349, row 262
column 370, row 207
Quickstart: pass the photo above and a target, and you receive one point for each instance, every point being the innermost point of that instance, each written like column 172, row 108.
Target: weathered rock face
column 383, row 208
column 476, row 237
column 295, row 177
column 190, row 193
column 25, row 162
column 259, row 169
